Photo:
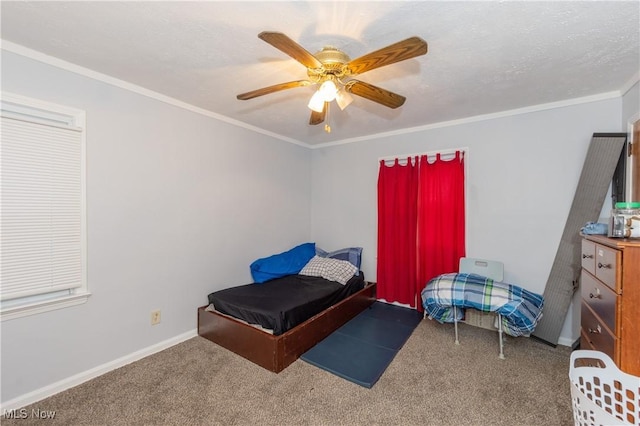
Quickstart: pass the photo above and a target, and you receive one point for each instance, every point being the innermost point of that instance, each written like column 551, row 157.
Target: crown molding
column 59, row 63
column 86, row 72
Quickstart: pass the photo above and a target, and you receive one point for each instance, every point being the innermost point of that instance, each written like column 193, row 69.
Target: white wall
column 179, row 204
column 522, row 172
column 631, row 105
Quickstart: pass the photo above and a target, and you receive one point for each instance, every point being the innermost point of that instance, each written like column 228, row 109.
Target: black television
column 619, row 180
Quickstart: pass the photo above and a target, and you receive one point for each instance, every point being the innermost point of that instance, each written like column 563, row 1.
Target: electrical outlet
column 155, row 317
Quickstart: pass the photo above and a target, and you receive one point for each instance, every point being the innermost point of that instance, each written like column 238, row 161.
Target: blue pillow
column 287, row 263
column 352, row 255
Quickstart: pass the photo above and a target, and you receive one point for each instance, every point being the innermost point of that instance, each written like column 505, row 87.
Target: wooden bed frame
column 275, row 353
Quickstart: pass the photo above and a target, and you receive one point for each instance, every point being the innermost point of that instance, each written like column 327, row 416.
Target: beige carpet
column 430, row 382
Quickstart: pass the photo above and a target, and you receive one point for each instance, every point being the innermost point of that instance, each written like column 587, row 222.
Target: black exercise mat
column 362, row 349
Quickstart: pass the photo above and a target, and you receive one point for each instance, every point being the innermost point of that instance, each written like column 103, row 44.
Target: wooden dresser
column 610, row 287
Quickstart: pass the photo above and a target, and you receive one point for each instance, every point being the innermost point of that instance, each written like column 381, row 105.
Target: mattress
column 283, row 303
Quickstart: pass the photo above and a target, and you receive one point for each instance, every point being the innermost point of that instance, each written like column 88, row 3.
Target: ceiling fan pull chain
column 327, row 126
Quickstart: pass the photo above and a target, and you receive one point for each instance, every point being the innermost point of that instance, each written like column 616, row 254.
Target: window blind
column 41, row 213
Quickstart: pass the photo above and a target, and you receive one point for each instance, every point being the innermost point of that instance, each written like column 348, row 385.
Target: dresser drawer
column 586, row 345
column 596, row 333
column 584, row 341
column 607, row 266
column 589, row 256
column 600, row 298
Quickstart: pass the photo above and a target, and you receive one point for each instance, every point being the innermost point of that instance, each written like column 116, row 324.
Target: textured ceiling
column 484, row 57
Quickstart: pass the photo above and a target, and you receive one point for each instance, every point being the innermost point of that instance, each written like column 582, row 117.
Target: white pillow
column 330, row 269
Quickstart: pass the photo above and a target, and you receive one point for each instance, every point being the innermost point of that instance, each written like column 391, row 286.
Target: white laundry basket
column 603, row 395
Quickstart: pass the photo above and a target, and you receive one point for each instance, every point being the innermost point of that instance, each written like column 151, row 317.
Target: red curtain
column 397, row 225
column 421, row 225
column 441, row 218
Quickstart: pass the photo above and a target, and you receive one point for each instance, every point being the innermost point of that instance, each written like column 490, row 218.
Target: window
column 42, row 216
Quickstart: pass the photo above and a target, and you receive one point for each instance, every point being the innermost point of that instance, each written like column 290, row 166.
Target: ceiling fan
column 332, row 70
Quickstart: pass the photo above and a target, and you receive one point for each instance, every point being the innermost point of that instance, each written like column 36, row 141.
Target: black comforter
column 283, row 303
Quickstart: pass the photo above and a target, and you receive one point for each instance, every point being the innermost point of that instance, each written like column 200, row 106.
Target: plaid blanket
column 520, row 309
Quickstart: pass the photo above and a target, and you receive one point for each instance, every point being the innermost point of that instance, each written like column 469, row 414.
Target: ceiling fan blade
column 291, row 48
column 271, row 89
column 375, row 94
column 396, row 52
column 318, row 117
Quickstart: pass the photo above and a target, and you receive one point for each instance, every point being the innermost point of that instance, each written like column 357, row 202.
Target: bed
column 276, row 352
column 478, row 286
column 279, row 305
column 273, row 322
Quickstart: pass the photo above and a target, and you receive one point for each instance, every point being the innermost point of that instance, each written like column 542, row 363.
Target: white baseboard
column 566, row 342
column 79, row 378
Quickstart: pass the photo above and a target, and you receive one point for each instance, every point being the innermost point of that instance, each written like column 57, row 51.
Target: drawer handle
column 587, row 256
column 605, row 266
column 597, row 330
column 594, row 296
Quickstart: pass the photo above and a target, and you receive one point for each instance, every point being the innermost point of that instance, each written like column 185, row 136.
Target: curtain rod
column 445, row 152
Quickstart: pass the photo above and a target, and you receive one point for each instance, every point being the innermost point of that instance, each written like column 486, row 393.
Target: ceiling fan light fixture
column 328, row 90
column 316, row 103
column 343, row 99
